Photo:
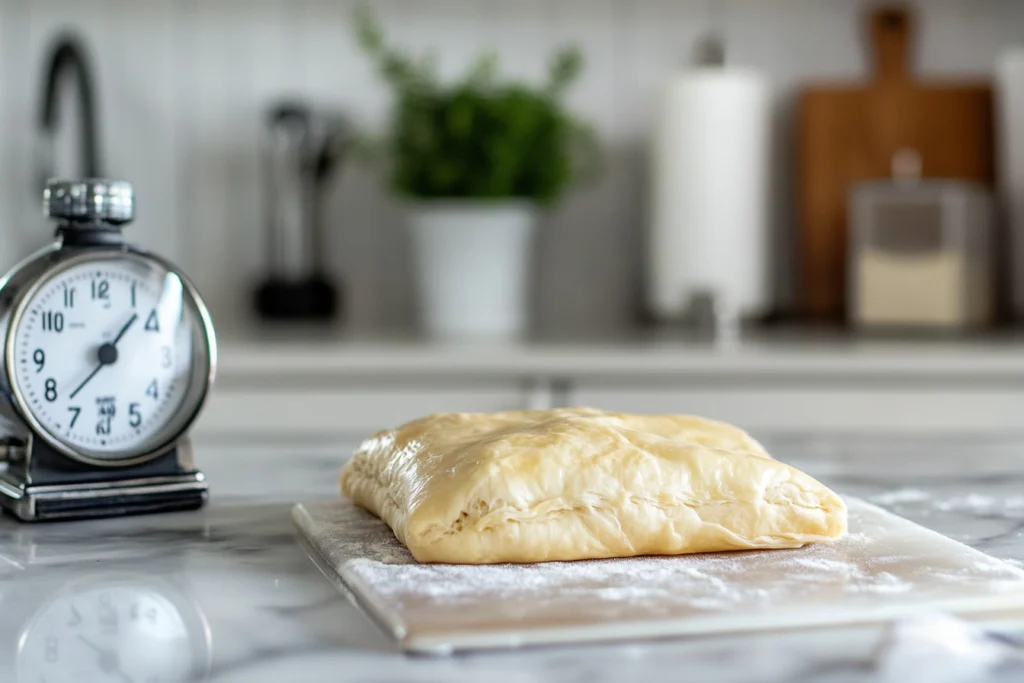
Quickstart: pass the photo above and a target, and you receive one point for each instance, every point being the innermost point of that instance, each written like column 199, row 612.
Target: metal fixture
column 67, row 56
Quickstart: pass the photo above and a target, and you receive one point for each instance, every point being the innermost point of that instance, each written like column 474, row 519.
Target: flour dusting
column 882, row 560
column 979, row 504
column 900, row 496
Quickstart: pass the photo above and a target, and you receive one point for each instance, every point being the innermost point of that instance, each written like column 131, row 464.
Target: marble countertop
column 229, row 591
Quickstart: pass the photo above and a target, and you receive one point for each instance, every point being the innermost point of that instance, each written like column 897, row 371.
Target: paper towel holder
column 716, row 315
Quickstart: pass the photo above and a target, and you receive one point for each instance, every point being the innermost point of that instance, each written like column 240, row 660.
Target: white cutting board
column 886, row 567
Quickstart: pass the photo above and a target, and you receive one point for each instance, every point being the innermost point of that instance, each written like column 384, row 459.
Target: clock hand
column 91, row 644
column 86, row 380
column 109, row 661
column 107, row 354
column 124, row 329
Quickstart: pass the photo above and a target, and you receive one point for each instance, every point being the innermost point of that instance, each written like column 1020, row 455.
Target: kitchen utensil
column 886, row 567
column 848, row 133
column 1010, row 125
column 109, row 354
column 303, row 150
column 708, row 229
column 921, row 251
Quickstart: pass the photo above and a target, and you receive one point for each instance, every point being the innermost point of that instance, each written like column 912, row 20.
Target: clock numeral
column 51, row 652
column 152, row 390
column 51, row 390
column 134, row 416
column 152, row 323
column 107, row 410
column 39, row 358
column 74, row 418
column 151, row 613
column 52, row 321
column 69, row 297
column 133, row 295
column 165, row 357
column 75, row 619
column 101, row 289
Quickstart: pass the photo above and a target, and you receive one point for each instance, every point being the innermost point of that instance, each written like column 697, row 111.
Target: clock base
column 89, row 500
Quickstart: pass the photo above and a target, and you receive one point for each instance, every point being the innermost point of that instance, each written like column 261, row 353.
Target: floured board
column 886, row 567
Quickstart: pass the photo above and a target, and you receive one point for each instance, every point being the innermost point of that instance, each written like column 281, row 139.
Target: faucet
column 67, row 55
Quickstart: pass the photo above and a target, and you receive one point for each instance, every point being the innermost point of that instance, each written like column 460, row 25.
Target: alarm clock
column 108, row 355
column 107, row 626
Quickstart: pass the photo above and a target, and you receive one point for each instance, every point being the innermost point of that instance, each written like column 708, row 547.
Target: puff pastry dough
column 572, row 484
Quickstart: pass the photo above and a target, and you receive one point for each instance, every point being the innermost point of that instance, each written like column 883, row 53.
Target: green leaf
column 368, row 31
column 564, row 69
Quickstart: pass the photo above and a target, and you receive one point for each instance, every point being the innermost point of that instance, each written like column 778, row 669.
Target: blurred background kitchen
column 803, row 216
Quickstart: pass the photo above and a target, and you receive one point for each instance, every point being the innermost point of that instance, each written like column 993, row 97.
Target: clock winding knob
column 91, row 200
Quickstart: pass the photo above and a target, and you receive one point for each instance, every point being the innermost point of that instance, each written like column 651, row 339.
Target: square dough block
column 580, row 483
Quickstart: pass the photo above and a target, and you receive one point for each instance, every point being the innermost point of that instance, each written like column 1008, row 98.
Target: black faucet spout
column 68, row 56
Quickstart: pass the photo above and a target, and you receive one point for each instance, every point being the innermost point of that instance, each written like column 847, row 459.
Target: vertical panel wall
column 183, row 85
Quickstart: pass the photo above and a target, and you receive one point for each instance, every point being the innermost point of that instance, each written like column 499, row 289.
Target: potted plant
column 476, row 160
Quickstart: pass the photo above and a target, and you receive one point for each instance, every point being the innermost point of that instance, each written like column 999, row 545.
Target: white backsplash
column 183, row 85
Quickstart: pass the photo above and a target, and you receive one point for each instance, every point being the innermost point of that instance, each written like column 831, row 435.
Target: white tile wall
column 183, row 83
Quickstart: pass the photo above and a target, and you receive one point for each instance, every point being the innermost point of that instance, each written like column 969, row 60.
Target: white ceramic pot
column 472, row 263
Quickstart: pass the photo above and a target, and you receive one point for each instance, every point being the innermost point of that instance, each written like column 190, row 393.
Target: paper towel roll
column 709, row 192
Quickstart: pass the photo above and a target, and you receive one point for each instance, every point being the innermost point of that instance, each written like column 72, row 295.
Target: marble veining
column 227, row 594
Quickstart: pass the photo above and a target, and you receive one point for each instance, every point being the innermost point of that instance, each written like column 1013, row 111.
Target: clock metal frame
column 47, row 479
column 179, row 486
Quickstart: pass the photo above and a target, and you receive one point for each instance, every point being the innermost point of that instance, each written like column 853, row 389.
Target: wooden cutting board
column 848, row 133
column 885, row 568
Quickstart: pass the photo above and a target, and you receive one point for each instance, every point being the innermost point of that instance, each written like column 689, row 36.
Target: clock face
column 117, row 632
column 104, row 355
